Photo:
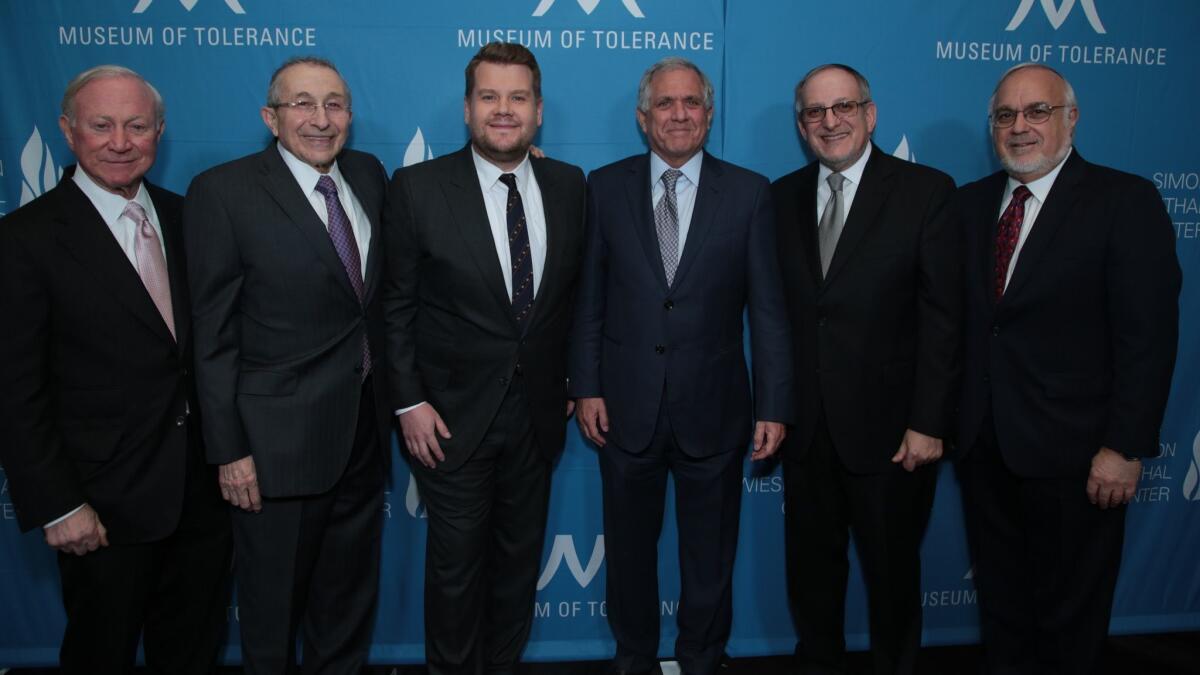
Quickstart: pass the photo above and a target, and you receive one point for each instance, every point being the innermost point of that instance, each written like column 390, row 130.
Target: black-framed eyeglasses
column 309, row 108
column 1037, row 113
column 843, row 109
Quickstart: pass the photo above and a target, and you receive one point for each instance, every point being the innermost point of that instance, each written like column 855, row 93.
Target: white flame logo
column 970, row 574
column 418, row 151
column 589, row 6
column 38, row 173
column 1191, row 482
column 903, row 152
column 1057, row 15
column 234, row 5
column 564, row 551
column 412, row 499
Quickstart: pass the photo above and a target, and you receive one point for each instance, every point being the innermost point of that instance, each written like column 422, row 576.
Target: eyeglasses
column 309, row 108
column 1034, row 114
column 842, row 109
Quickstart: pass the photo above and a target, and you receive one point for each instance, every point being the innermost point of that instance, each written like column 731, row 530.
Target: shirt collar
column 1040, row 187
column 853, row 173
column 109, row 205
column 690, row 168
column 306, row 175
column 489, row 174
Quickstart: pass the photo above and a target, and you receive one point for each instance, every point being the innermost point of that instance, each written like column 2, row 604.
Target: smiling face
column 837, row 141
column 1030, row 151
column 315, row 139
column 503, row 113
column 677, row 122
column 114, row 134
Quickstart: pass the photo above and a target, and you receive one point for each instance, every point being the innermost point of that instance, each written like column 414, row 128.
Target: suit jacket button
column 518, row 369
column 180, row 421
column 995, row 330
column 669, row 305
column 820, row 321
column 659, row 349
column 504, row 381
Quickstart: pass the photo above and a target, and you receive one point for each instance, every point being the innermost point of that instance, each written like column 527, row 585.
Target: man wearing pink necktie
column 100, row 440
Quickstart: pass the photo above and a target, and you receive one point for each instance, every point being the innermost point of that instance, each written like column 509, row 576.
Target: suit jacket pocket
column 267, row 382
column 89, row 441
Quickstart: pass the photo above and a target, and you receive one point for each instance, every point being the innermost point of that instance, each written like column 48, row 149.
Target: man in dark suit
column 284, row 259
column 679, row 244
column 483, row 246
column 97, row 407
column 872, row 272
column 1072, row 322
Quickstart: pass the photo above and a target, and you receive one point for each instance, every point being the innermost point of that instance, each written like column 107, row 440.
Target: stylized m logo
column 1191, row 482
column 234, row 5
column 564, row 551
column 589, row 6
column 1057, row 15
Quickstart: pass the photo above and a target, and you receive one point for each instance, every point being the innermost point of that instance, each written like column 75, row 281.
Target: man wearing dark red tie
column 98, row 413
column 483, row 246
column 1072, row 322
column 285, row 259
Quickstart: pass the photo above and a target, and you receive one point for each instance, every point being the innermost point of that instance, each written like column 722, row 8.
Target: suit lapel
column 81, row 230
column 864, row 212
column 169, row 221
column 555, row 218
column 637, row 191
column 371, row 200
column 1059, row 203
column 806, row 221
column 704, row 213
column 278, row 182
column 986, row 220
column 465, row 198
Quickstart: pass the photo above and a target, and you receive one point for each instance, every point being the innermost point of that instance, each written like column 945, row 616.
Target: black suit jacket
column 878, row 341
column 452, row 337
column 278, row 326
column 1078, row 353
column 637, row 339
column 93, row 388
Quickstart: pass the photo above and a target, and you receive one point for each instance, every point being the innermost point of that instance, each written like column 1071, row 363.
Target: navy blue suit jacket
column 637, row 339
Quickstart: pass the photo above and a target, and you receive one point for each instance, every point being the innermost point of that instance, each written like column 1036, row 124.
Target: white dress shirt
column 853, row 175
column 495, row 199
column 307, row 177
column 685, row 190
column 1033, row 205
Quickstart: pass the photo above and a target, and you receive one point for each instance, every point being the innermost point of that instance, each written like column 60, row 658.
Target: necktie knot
column 135, row 212
column 836, row 180
column 1021, row 194
column 326, row 186
column 509, row 180
column 669, row 177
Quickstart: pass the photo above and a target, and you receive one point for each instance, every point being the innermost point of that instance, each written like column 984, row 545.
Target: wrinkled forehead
column 313, row 80
column 1028, row 86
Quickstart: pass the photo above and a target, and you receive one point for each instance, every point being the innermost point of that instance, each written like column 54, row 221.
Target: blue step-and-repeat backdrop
column 932, row 65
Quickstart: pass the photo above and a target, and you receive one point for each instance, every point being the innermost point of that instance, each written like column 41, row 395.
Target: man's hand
column 1113, row 479
column 239, row 484
column 80, row 533
column 418, row 427
column 916, row 449
column 767, row 437
column 592, row 417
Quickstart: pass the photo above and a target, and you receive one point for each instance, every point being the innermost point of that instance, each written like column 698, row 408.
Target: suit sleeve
column 401, row 294
column 41, row 479
column 939, row 320
column 215, row 277
column 1143, row 280
column 588, row 325
column 770, row 330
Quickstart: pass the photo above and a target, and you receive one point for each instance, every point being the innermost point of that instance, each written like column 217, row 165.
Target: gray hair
column 104, row 72
column 667, row 64
column 1069, row 93
column 864, row 87
column 273, row 89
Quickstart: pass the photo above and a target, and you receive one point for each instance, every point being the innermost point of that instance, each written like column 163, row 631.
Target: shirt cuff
column 63, row 517
column 401, row 411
